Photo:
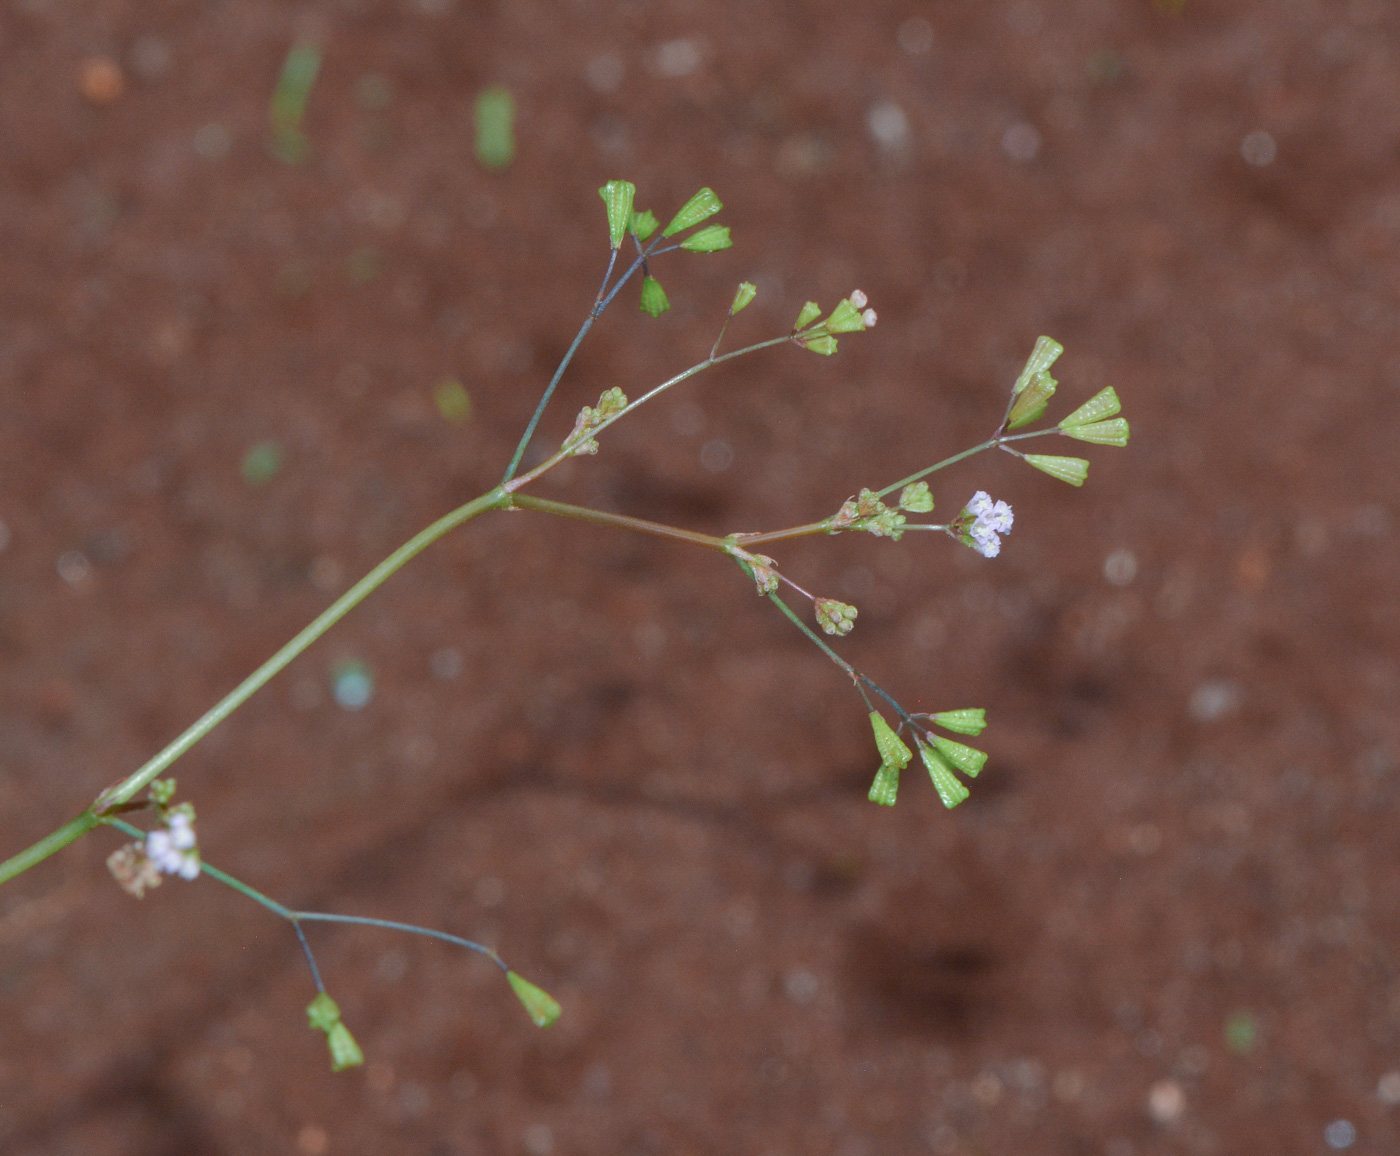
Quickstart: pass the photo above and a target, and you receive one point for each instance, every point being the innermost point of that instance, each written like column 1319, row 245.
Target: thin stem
column 624, row 521
column 515, row 484
column 912, row 478
column 310, row 959
column 796, row 620
column 411, row 928
column 295, row 917
column 141, row 778
column 856, row 676
column 529, row 433
column 75, row 828
column 822, row 527
column 600, row 303
column 805, row 594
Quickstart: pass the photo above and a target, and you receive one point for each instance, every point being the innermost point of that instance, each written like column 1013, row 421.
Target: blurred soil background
column 1166, row 920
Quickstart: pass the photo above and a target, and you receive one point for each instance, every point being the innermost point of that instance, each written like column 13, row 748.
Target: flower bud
column 1030, row 404
column 969, row 721
column 543, row 1008
column 1071, row 470
column 888, row 743
column 617, row 196
column 710, row 239
column 1113, row 432
column 746, row 292
column 702, row 205
column 653, row 297
column 916, row 498
column 950, row 789
column 1042, row 357
column 1102, row 405
column 886, row 785
column 835, row 617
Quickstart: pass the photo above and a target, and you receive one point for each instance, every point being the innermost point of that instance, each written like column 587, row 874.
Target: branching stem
column 141, row 778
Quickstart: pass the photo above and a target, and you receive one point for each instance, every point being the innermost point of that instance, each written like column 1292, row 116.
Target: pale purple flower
column 984, row 540
column 990, row 519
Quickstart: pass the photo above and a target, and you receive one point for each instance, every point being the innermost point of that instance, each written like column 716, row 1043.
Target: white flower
column 859, row 299
column 172, row 851
column 869, row 318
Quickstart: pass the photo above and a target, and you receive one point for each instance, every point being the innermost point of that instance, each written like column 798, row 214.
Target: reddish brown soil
column 642, row 785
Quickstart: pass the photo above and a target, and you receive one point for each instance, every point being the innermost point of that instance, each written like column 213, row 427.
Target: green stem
column 141, row 778
column 856, row 676
column 293, row 916
column 514, row 484
column 641, row 525
column 899, row 485
column 54, row 841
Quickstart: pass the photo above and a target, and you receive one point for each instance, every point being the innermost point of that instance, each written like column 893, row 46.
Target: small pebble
column 101, row 80
column 1166, row 1102
column 352, row 686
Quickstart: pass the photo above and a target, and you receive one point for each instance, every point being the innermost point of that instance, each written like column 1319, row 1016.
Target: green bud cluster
column 580, row 441
column 1095, row 421
column 894, row 757
column 849, row 316
column 867, row 512
column 835, row 617
column 940, row 756
column 916, row 499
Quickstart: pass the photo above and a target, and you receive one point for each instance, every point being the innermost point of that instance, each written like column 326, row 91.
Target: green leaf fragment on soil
column 261, row 463
column 495, row 128
column 452, row 400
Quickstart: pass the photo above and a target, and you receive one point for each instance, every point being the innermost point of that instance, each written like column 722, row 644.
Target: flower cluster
column 990, row 520
column 859, row 300
column 172, row 851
